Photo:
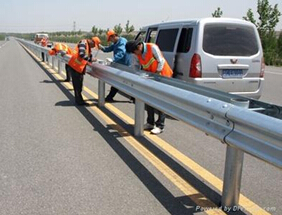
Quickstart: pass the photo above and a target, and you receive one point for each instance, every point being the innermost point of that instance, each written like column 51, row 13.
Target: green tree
column 100, row 31
column 268, row 19
column 279, row 47
column 128, row 29
column 118, row 29
column 94, row 30
column 268, row 16
column 217, row 13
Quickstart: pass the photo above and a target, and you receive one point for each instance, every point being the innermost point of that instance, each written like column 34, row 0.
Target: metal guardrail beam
column 252, row 132
column 242, row 128
column 255, row 105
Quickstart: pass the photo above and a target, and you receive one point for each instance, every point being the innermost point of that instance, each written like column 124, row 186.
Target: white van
column 220, row 53
column 38, row 37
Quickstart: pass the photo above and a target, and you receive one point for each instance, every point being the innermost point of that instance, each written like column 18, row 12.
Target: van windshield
column 230, row 39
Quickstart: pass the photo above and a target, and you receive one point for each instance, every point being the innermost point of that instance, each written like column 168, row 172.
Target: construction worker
column 80, row 58
column 43, row 43
column 63, row 49
column 119, row 56
column 149, row 57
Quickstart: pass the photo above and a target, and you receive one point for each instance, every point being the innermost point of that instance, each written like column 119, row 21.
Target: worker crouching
column 149, row 57
column 63, row 49
column 80, row 58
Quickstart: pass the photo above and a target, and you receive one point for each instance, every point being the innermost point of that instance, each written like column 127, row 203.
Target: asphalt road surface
column 57, row 158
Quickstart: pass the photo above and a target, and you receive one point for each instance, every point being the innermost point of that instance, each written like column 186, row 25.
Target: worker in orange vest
column 150, row 58
column 63, row 49
column 43, row 43
column 80, row 58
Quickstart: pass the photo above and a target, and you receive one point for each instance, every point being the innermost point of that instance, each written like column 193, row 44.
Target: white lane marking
column 3, row 44
column 275, row 73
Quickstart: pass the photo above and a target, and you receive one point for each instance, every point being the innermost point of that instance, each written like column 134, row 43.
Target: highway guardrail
column 245, row 125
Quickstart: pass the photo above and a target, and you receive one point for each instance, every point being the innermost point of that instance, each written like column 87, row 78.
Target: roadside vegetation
column 268, row 18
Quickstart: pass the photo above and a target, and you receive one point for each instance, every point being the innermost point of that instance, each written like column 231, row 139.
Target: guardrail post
column 59, row 66
column 101, row 93
column 49, row 59
column 233, row 170
column 139, row 117
column 53, row 62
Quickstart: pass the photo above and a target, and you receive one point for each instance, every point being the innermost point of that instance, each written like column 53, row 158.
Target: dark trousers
column 151, row 118
column 112, row 93
column 42, row 55
column 77, row 82
column 68, row 72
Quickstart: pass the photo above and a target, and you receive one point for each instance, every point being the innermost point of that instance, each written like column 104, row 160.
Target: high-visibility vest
column 78, row 63
column 150, row 64
column 60, row 47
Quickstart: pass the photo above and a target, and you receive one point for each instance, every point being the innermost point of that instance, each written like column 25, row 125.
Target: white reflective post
column 233, row 170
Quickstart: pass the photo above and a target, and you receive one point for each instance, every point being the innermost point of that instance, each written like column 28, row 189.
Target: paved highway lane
column 273, row 85
column 59, row 159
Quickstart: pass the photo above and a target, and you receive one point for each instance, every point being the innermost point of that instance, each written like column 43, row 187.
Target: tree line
column 74, row 37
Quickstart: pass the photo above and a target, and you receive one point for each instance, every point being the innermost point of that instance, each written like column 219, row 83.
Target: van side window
column 141, row 35
column 185, row 40
column 166, row 39
column 151, row 38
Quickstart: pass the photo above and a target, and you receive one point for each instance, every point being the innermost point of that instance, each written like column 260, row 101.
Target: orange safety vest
column 60, row 47
column 150, row 64
column 78, row 63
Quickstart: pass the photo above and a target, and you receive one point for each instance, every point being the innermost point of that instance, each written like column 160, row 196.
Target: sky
column 29, row 16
